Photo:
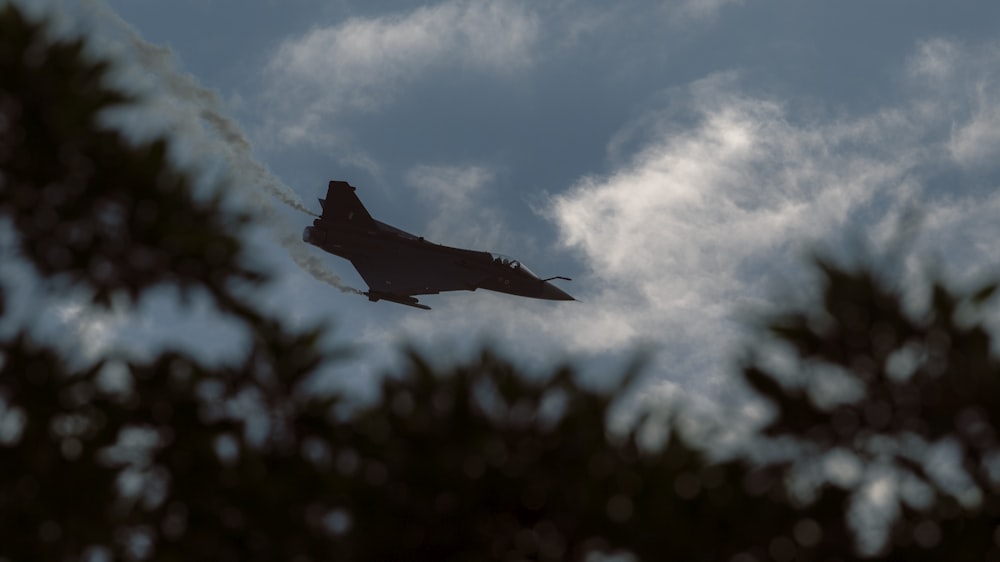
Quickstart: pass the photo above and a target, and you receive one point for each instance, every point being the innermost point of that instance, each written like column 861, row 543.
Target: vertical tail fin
column 343, row 207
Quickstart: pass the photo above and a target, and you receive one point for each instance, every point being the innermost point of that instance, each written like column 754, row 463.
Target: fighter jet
column 397, row 265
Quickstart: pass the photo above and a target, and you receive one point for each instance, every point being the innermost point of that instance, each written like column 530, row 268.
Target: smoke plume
column 186, row 89
column 247, row 172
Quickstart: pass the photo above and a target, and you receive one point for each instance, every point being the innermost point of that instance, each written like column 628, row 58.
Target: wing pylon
column 376, row 296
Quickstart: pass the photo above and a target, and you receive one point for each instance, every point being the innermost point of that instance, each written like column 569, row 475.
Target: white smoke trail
column 185, row 88
column 314, row 266
column 308, row 262
column 235, row 147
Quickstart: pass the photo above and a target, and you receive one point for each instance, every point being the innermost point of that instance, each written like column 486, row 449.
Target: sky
column 679, row 159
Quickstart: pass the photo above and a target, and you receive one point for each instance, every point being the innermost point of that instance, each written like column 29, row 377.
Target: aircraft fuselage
column 398, row 265
column 432, row 267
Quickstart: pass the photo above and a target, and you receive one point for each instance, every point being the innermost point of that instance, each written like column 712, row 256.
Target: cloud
column 461, row 214
column 453, row 188
column 703, row 222
column 684, row 11
column 965, row 86
column 699, row 201
column 935, row 59
column 977, row 143
column 364, row 62
column 709, row 220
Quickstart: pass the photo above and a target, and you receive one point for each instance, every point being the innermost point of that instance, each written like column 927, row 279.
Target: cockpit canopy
column 512, row 263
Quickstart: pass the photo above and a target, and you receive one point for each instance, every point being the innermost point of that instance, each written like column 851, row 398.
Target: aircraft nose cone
column 551, row 292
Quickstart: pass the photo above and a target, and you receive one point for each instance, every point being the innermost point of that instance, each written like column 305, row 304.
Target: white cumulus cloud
column 966, row 83
column 363, row 62
column 456, row 196
column 695, row 228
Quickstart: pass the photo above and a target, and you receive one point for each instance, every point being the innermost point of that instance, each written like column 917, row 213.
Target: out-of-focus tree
column 166, row 458
column 486, row 463
column 92, row 208
column 907, row 403
column 131, row 458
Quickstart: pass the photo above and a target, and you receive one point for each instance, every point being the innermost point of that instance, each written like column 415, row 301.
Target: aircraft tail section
column 342, row 206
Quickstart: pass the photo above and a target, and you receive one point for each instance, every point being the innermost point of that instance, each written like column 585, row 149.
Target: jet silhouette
column 397, row 265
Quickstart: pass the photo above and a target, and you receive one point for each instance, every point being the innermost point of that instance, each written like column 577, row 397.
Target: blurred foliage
column 927, row 412
column 169, row 459
column 114, row 216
